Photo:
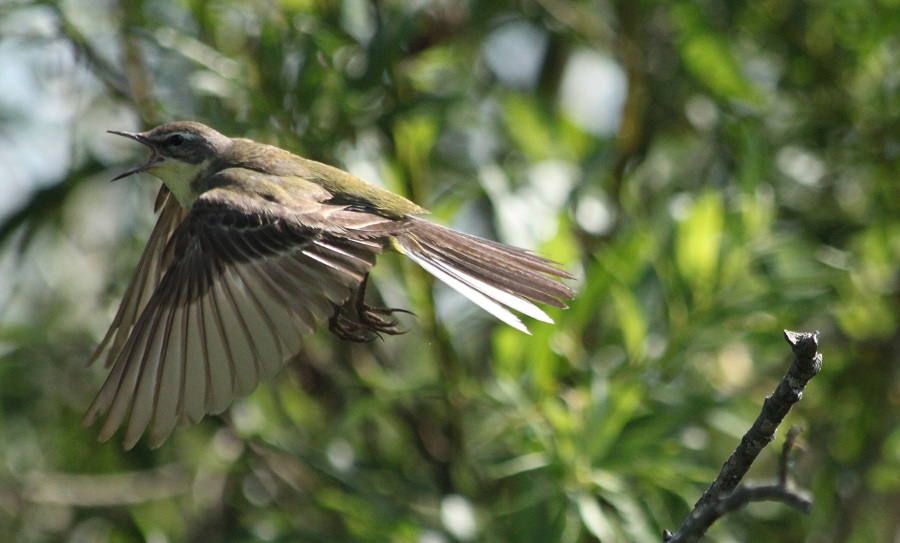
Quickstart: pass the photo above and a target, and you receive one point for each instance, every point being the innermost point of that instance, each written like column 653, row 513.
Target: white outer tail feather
column 486, row 296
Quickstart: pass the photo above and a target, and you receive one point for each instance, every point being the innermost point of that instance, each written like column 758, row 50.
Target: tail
column 490, row 274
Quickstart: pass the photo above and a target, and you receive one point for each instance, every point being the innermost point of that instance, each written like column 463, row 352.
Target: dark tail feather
column 490, row 274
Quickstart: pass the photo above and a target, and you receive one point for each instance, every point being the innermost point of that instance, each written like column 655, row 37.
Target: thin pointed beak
column 140, row 138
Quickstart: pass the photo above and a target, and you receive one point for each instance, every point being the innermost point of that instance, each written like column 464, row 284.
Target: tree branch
column 721, row 497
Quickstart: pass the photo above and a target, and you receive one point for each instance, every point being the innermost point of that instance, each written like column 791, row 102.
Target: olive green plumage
column 254, row 247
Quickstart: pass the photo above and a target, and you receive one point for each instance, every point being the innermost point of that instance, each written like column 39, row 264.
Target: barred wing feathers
column 147, row 277
column 245, row 282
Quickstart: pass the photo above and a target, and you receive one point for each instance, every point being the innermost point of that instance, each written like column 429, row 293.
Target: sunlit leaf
column 698, row 243
column 708, row 56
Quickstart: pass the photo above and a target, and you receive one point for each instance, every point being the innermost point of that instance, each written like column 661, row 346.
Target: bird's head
column 179, row 152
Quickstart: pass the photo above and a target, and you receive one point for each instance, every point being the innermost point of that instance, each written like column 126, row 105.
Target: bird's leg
column 369, row 322
column 376, row 319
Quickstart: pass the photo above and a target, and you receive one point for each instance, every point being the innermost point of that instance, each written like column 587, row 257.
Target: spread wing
column 245, row 279
column 149, row 272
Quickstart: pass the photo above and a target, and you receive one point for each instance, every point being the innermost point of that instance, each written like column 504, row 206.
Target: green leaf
column 593, row 518
column 698, row 243
column 631, row 321
column 707, row 55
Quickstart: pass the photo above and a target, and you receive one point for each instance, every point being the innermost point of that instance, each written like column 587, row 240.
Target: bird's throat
column 182, row 178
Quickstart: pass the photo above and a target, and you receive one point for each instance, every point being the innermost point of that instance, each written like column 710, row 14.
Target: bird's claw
column 368, row 322
column 379, row 319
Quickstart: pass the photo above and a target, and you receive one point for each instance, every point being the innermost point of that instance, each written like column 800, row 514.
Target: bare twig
column 721, row 497
column 784, row 464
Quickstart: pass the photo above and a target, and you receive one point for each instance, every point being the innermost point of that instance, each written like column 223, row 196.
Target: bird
column 253, row 249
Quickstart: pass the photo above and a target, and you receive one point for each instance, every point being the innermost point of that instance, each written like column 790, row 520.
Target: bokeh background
column 713, row 173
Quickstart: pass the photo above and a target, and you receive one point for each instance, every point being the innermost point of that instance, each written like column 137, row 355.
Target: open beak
column 140, row 138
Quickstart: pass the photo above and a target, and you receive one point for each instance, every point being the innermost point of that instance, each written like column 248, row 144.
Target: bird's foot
column 368, row 322
column 348, row 329
column 379, row 320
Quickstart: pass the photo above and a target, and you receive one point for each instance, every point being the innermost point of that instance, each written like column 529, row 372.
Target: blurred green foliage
column 746, row 181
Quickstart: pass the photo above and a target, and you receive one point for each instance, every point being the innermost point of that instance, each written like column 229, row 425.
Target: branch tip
column 803, row 344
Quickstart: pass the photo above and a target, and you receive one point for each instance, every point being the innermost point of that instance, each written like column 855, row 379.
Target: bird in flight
column 253, row 247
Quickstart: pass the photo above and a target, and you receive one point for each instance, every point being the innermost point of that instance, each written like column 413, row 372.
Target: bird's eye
column 175, row 140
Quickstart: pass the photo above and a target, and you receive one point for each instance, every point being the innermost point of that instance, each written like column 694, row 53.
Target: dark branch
column 785, row 462
column 721, row 497
column 738, row 499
